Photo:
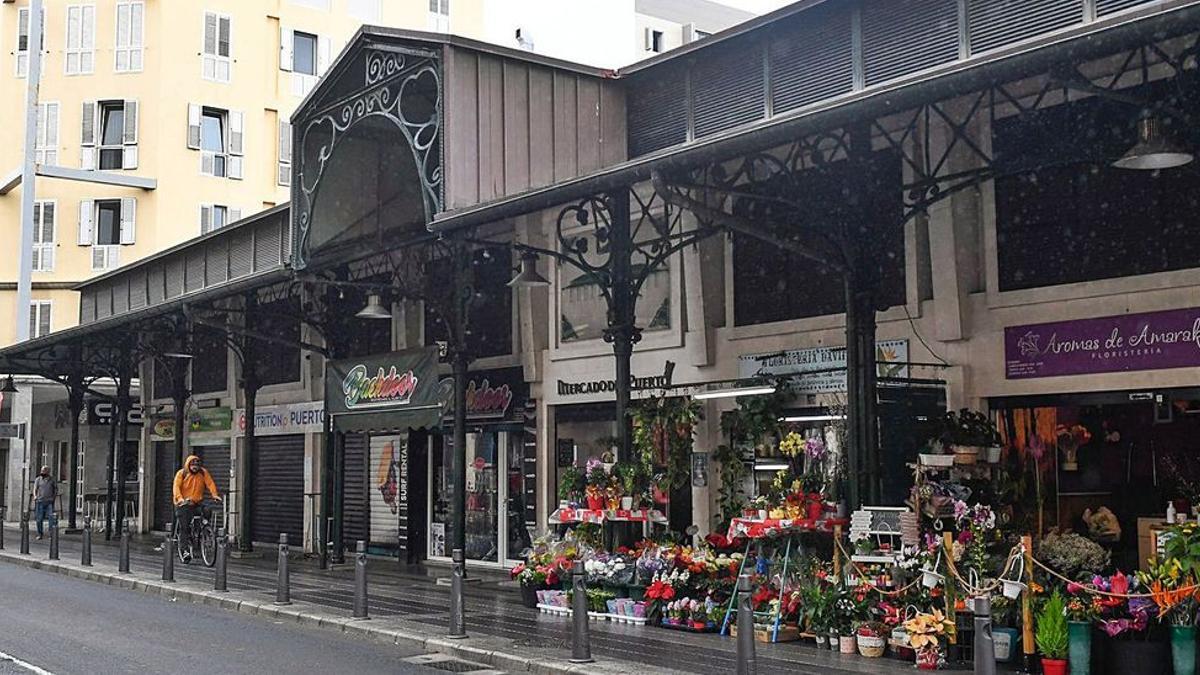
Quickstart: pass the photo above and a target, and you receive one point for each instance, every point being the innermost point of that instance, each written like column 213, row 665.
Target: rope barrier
column 869, row 584
column 1097, row 591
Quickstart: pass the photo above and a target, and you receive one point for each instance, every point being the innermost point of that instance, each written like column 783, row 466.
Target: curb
column 486, row 650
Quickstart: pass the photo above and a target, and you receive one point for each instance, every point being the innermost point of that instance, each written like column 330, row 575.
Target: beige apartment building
column 192, row 96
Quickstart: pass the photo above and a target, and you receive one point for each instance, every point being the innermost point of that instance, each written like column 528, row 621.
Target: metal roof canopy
column 1089, row 40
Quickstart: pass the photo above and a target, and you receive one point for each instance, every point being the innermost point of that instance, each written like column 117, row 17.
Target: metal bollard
column 283, row 591
column 360, row 580
column 85, row 555
column 219, row 578
column 581, row 642
column 123, row 555
column 169, row 554
column 24, row 534
column 458, row 625
column 3, row 519
column 323, row 540
column 53, row 540
column 985, row 646
column 746, row 660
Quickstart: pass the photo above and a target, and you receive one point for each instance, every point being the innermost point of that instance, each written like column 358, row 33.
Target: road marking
column 24, row 664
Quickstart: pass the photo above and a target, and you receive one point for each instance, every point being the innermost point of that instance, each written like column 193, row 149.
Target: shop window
column 1078, row 218
column 583, row 311
column 210, row 367
column 490, row 327
column 772, row 285
column 277, row 362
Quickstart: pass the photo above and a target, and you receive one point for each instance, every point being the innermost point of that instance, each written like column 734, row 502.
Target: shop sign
column 610, row 386
column 277, row 420
column 204, row 420
column 491, row 394
column 392, row 381
column 162, row 428
column 822, row 369
column 99, row 412
column 1125, row 342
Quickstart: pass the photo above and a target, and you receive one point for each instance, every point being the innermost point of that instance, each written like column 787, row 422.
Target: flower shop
column 902, row 581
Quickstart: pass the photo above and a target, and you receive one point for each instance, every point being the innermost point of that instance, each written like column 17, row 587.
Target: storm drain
column 450, row 664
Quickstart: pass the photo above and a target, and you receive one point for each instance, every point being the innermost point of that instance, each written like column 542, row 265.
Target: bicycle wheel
column 180, row 545
column 208, row 545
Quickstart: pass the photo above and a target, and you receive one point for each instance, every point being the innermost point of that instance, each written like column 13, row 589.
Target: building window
column 43, row 235
column 654, row 40
column 46, row 147
column 80, row 55
column 439, row 16
column 216, row 62
column 109, row 131
column 216, row 216
column 106, row 225
column 304, row 53
column 22, row 51
column 128, row 49
column 39, row 318
column 285, row 154
column 217, row 134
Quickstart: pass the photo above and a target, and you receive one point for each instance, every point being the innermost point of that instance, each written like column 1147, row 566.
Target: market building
column 943, row 200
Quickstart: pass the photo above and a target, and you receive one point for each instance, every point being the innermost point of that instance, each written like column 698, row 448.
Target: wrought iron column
column 339, row 497
column 622, row 331
column 121, row 422
column 179, row 397
column 460, row 363
column 250, row 385
column 75, row 405
column 108, row 481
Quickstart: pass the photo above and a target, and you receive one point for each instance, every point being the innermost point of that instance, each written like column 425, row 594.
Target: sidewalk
column 413, row 610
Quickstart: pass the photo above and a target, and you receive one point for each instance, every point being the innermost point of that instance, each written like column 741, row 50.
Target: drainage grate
column 448, row 664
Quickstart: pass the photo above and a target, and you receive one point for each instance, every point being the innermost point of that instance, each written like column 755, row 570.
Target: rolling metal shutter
column 995, row 23
column 164, row 476
column 811, row 58
column 277, row 499
column 905, row 36
column 217, row 461
column 727, row 89
column 657, row 116
column 354, row 495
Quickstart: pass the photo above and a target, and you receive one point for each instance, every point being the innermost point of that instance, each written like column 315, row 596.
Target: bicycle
column 203, row 536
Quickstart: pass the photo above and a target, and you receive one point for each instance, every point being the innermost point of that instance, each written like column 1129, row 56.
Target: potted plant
column 699, row 615
column 1070, row 438
column 925, row 631
column 1175, row 596
column 1052, row 638
column 627, row 477
column 1082, row 610
column 570, row 486
column 598, row 480
column 872, row 638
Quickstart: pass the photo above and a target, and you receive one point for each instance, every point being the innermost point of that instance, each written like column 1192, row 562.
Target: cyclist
column 188, row 490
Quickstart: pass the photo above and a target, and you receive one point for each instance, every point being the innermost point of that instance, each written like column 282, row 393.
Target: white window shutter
column 193, row 130
column 128, row 220
column 210, row 33
column 234, row 215
column 87, row 142
column 87, row 214
column 285, row 142
column 236, row 144
column 129, row 159
column 224, row 37
column 44, row 319
column 324, row 49
column 205, row 218
column 287, row 46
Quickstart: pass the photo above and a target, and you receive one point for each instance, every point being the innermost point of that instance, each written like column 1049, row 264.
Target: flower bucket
column 639, row 610
column 626, row 503
column 871, row 646
column 993, row 454
column 1013, row 589
column 929, row 459
column 762, row 514
column 846, row 644
column 1079, row 646
column 820, row 640
column 931, row 579
column 529, row 595
column 1056, row 666
column 1183, row 649
column 965, row 455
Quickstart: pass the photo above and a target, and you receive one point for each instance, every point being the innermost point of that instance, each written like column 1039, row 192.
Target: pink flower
column 1074, row 588
column 1115, row 627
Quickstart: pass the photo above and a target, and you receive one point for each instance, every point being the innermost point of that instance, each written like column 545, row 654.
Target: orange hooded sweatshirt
column 190, row 486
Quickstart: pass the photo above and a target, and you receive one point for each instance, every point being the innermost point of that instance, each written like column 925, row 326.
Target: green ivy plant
column 731, row 497
column 663, row 436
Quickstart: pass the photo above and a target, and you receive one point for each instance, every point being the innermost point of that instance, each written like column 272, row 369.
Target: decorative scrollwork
column 392, row 80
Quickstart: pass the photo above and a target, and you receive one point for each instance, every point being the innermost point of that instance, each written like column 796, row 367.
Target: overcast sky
column 756, row 6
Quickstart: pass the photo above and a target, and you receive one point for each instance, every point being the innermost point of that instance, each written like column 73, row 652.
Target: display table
column 754, row 528
column 601, row 516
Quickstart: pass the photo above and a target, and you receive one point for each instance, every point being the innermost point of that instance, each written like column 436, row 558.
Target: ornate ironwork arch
column 392, row 76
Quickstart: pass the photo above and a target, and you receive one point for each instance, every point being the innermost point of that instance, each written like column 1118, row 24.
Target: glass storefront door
column 496, row 529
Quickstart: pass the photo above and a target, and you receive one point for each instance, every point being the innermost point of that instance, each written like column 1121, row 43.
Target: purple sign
column 1110, row 344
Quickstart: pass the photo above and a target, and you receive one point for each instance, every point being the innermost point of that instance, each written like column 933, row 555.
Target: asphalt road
column 62, row 626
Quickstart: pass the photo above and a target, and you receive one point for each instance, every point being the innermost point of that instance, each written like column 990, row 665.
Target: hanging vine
column 663, row 435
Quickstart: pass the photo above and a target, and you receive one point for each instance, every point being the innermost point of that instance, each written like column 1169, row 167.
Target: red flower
column 516, row 571
column 1120, row 583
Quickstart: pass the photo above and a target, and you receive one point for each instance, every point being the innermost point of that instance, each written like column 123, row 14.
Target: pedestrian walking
column 45, row 492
